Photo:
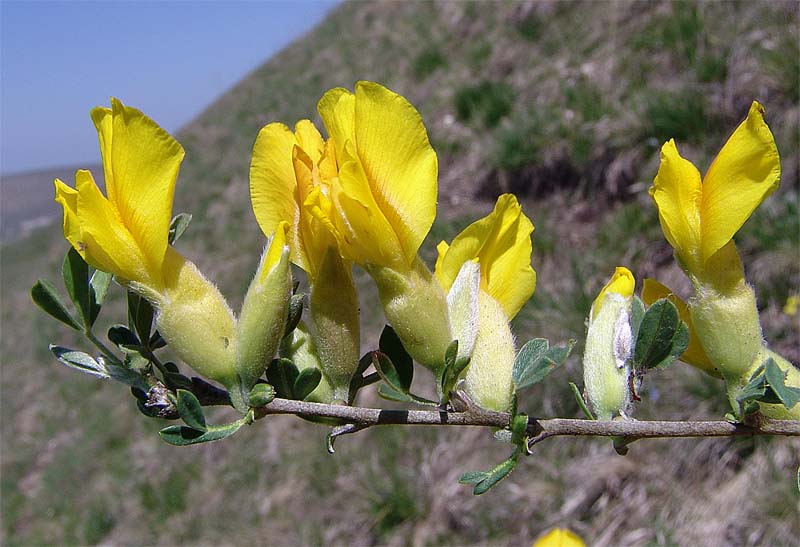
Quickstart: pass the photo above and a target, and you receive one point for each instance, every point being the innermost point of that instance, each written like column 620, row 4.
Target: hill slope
column 564, row 103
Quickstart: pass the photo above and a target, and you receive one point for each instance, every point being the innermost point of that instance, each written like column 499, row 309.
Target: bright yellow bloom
column 501, row 244
column 694, row 354
column 383, row 202
column 126, row 234
column 699, row 219
column 287, row 169
column 609, row 345
column 791, row 306
column 559, row 537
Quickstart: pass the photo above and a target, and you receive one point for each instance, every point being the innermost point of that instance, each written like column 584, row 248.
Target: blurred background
column 563, row 103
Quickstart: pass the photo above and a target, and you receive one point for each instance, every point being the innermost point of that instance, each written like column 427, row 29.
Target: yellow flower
column 791, row 306
column 559, row 537
column 383, row 202
column 286, row 170
column 378, row 199
column 699, row 219
column 694, row 354
column 501, row 244
column 127, row 232
column 609, row 344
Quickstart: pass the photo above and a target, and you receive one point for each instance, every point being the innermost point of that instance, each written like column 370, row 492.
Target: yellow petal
column 744, row 173
column 677, row 193
column 363, row 232
column 102, row 119
column 622, row 283
column 67, row 197
column 273, row 186
column 145, row 161
column 559, row 537
column 309, row 139
column 501, row 244
column 400, row 165
column 337, row 110
column 107, row 243
column 694, row 354
column 276, row 249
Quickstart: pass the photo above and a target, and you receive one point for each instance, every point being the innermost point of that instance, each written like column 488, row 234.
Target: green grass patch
column 683, row 115
column 427, row 62
column 486, row 103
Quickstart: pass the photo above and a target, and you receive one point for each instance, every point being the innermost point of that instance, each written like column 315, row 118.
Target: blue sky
column 169, row 59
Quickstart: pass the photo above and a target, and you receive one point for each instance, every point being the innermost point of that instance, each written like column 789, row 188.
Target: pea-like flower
column 609, row 345
column 699, row 220
column 500, row 245
column 126, row 234
column 381, row 204
column 287, row 168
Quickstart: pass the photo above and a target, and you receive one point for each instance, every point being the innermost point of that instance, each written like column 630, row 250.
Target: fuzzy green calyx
column 416, row 306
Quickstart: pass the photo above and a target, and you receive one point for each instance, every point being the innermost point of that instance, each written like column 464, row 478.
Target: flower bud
column 334, row 316
column 416, row 306
column 609, row 344
column 299, row 347
column 195, row 320
column 264, row 312
column 488, row 379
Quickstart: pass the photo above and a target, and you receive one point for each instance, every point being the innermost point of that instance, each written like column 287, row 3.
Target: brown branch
column 538, row 429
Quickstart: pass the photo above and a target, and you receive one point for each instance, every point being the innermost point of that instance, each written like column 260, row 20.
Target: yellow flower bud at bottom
column 416, row 306
column 488, row 379
column 195, row 320
column 605, row 368
column 778, row 411
column 334, row 316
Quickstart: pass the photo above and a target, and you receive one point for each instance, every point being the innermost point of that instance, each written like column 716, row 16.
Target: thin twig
column 537, row 429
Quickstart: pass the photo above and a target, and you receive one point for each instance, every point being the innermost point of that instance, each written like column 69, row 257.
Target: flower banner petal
column 622, row 283
column 67, row 197
column 145, row 162
column 743, row 174
column 399, row 162
column 677, row 192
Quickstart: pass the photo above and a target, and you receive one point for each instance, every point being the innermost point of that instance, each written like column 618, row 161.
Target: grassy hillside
column 565, row 104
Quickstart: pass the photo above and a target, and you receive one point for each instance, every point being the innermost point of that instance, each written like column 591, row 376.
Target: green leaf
column 390, row 394
column 450, row 375
column 282, row 374
column 472, row 477
column 121, row 335
column 176, row 380
column 45, row 295
column 581, row 403
column 79, row 361
column 191, row 411
column 261, row 394
column 125, row 375
column 295, row 313
column 181, row 435
column 387, row 371
column 156, row 341
column 637, row 314
column 75, row 273
column 536, row 360
column 140, row 316
column 519, row 430
column 98, row 288
column 306, row 382
column 391, row 345
column 177, row 226
column 491, row 478
column 788, row 395
column 451, row 353
column 662, row 336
